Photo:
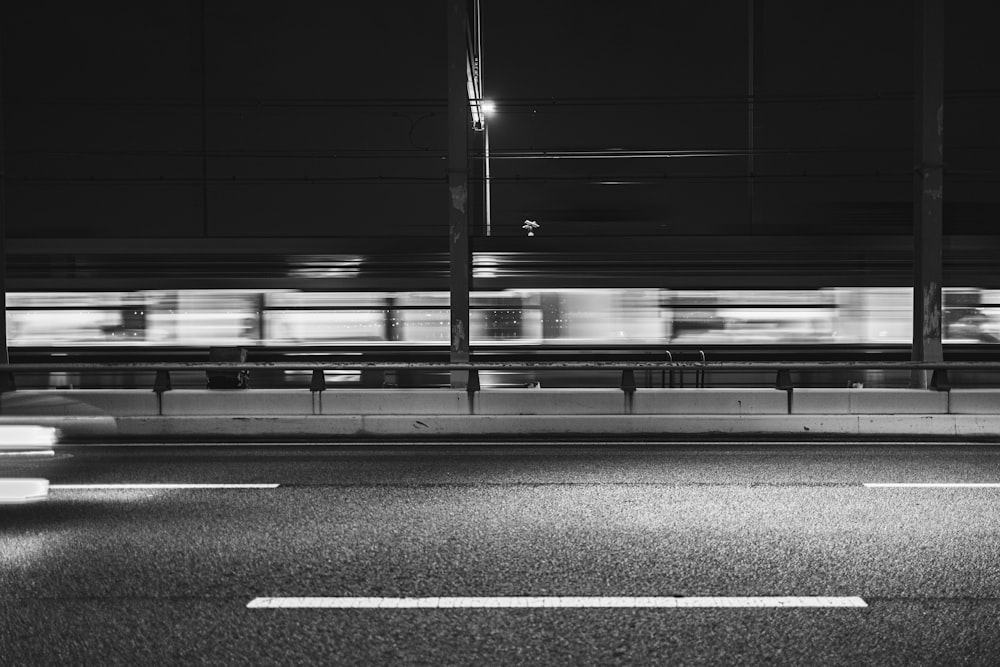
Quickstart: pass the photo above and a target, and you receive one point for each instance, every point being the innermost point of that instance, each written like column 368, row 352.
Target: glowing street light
column 480, row 110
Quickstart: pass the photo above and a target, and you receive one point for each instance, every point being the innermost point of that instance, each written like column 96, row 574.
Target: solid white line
column 163, row 486
column 547, row 602
column 935, row 485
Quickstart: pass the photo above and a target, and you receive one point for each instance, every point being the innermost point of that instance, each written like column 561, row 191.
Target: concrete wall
column 722, row 401
column 443, row 413
column 870, row 401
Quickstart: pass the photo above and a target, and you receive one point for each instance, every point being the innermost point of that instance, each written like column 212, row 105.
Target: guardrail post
column 160, row 385
column 784, row 383
column 317, row 385
column 699, row 375
column 784, row 380
column 473, row 384
column 318, row 382
column 628, row 380
column 7, row 382
column 939, row 380
column 162, row 382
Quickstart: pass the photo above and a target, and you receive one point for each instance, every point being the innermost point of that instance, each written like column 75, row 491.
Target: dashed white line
column 548, row 602
column 934, row 485
column 162, row 486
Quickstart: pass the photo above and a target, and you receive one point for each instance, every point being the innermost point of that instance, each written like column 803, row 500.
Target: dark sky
column 832, row 119
column 326, row 119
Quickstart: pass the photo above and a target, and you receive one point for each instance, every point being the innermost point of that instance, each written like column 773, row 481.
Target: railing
column 783, row 370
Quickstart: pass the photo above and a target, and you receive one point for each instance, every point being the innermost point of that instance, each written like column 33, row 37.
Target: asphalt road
column 164, row 576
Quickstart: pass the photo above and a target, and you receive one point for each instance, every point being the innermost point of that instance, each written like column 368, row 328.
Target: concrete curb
column 325, row 428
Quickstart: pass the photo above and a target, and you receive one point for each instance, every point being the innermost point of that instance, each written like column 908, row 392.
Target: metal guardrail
column 783, row 370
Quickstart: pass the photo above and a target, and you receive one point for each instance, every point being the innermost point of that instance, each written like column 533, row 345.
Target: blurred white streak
column 25, row 490
column 26, row 437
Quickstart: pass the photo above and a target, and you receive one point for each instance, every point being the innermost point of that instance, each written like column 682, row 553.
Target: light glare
column 20, row 437
column 26, row 490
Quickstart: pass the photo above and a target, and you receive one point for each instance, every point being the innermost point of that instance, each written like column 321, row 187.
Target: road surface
column 675, row 554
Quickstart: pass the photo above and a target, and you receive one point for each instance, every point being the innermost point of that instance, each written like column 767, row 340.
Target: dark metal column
column 458, row 177
column 4, row 356
column 204, row 119
column 751, row 67
column 928, row 184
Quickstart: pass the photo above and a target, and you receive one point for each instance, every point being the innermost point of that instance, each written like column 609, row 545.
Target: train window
column 971, row 316
column 751, row 316
column 72, row 318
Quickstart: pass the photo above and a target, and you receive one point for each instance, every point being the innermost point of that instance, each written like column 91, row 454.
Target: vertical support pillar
column 4, row 356
column 928, row 185
column 458, row 191
column 751, row 66
column 204, row 118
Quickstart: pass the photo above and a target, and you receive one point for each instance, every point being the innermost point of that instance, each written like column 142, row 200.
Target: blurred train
column 542, row 324
column 516, row 317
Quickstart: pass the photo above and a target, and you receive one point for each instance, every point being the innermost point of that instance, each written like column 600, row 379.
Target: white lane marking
column 935, row 485
column 547, row 602
column 163, row 486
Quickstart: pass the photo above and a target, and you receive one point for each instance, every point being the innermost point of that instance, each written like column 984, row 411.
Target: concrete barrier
column 654, row 427
column 465, row 428
column 79, row 402
column 897, row 401
column 975, row 401
column 237, row 402
column 810, row 401
column 426, row 414
column 869, row 401
column 916, row 425
column 689, row 401
column 549, row 402
column 394, row 401
column 721, row 401
column 228, row 427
